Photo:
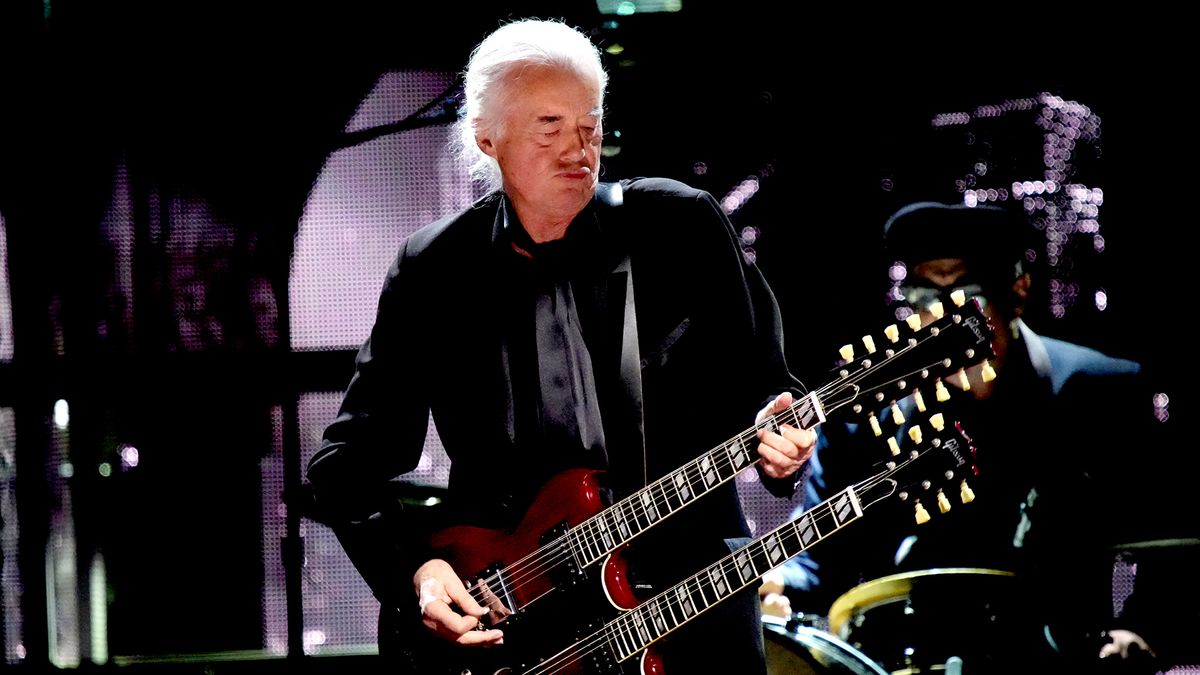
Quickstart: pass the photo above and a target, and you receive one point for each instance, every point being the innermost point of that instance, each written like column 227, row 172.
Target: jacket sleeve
column 770, row 375
column 378, row 434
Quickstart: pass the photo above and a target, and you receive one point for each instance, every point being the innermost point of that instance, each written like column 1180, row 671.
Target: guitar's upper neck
column 598, row 536
column 954, row 340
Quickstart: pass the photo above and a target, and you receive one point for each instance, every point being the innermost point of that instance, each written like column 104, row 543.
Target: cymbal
column 894, row 587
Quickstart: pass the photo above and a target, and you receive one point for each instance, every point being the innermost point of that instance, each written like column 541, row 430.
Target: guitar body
column 494, row 561
column 507, row 571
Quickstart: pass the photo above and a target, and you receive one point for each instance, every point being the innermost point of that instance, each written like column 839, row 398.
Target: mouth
column 578, row 174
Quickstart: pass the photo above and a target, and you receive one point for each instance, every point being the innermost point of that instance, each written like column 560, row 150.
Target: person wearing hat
column 1041, row 510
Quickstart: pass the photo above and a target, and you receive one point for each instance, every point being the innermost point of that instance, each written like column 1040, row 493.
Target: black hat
column 986, row 236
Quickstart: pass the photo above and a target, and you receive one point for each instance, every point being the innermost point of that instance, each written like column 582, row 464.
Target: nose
column 576, row 145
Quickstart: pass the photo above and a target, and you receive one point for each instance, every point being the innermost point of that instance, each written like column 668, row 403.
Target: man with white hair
column 558, row 323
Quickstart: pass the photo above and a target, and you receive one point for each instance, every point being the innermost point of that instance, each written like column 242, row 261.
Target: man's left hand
column 785, row 452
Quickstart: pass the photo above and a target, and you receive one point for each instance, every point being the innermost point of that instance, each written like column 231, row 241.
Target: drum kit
column 951, row 620
column 972, row 621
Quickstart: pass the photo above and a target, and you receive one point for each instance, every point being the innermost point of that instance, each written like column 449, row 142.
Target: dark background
column 242, row 104
column 239, row 104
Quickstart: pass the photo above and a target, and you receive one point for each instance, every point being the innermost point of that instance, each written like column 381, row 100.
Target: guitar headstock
column 909, row 359
column 931, row 470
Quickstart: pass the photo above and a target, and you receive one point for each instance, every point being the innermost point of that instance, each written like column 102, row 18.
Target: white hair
column 487, row 81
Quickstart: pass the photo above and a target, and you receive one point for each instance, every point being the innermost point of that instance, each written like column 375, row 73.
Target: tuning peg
column 869, row 343
column 897, row 415
column 914, row 432
column 937, row 310
column 922, row 515
column 965, row 493
column 919, row 400
column 988, row 372
column 963, row 382
column 874, row 424
column 914, row 321
column 943, row 503
column 847, row 352
column 937, row 421
column 893, row 445
column 943, row 394
column 892, row 333
column 958, row 297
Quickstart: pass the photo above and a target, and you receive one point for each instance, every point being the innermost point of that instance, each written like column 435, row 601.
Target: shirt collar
column 510, row 234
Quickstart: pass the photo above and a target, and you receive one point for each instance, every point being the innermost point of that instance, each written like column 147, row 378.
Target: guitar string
column 626, row 623
column 536, row 563
column 520, row 574
column 555, row 552
column 580, row 650
column 695, row 583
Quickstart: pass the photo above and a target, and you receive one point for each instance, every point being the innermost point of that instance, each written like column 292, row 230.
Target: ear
column 484, row 141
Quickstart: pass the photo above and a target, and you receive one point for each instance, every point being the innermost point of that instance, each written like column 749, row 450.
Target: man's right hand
column 437, row 588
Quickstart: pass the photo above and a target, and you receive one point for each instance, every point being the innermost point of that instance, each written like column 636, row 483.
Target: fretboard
column 632, row 632
column 601, row 534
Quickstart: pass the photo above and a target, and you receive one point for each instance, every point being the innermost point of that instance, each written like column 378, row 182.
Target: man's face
column 933, row 281
column 549, row 150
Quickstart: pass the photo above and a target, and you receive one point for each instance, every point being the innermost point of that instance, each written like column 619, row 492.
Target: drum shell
column 802, row 650
column 917, row 621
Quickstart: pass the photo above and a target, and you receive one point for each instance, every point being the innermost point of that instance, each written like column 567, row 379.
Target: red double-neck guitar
column 569, row 538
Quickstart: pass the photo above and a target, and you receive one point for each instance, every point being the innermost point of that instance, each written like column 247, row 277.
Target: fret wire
column 650, row 621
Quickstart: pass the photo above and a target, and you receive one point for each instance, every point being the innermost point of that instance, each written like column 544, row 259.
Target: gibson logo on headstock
column 978, row 328
column 952, row 445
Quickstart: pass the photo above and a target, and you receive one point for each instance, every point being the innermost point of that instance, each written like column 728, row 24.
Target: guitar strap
column 629, row 445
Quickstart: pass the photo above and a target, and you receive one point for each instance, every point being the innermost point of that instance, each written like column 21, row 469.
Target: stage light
column 129, row 456
column 630, row 7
